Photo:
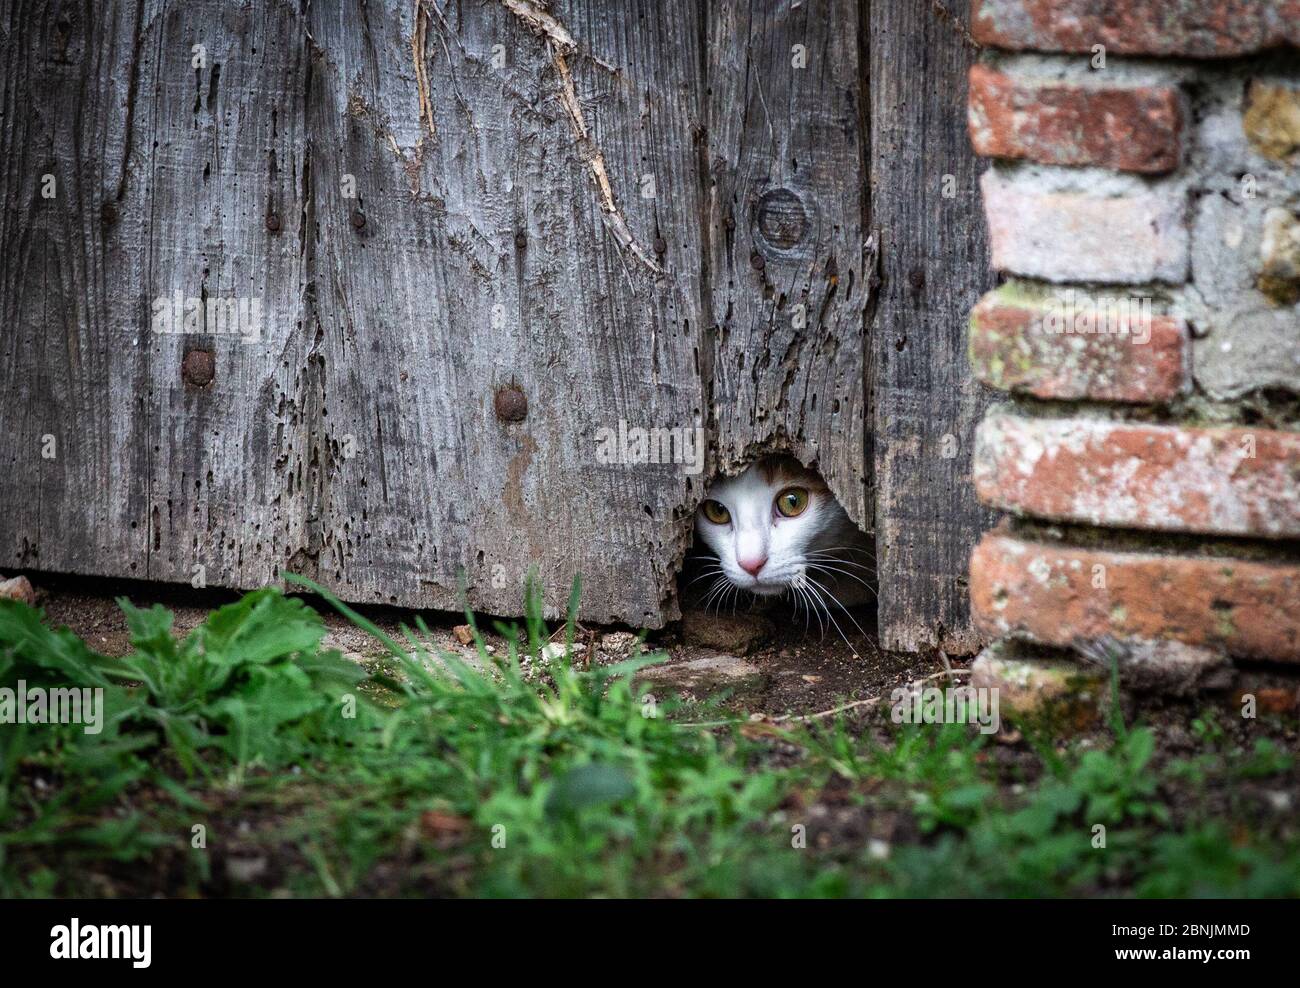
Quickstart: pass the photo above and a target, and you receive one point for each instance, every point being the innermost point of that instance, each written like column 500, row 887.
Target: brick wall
column 1143, row 200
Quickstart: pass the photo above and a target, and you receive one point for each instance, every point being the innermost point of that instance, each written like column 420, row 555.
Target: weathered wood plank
column 789, row 259
column 492, row 256
column 221, row 220
column 163, row 170
column 934, row 266
column 67, row 463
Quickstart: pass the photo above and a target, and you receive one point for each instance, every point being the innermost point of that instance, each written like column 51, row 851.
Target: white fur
column 820, row 545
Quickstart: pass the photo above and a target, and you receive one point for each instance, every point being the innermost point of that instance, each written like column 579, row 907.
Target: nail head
column 198, row 368
column 511, row 404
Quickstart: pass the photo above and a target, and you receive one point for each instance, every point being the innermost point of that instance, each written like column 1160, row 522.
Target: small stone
column 1160, row 666
column 1279, row 248
column 464, row 634
column 1272, row 120
column 1035, row 686
column 619, row 643
column 739, row 634
column 709, row 670
column 245, row 870
column 18, row 588
column 555, row 650
column 439, row 825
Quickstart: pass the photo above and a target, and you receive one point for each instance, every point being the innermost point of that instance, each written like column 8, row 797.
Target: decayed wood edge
column 729, row 462
column 871, row 279
column 854, row 492
column 561, row 44
column 668, row 533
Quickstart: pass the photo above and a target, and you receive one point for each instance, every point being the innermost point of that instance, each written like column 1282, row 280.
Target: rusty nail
column 108, row 214
column 756, row 261
column 660, row 246
column 198, row 368
column 358, row 219
column 521, row 240
column 273, row 222
column 511, row 404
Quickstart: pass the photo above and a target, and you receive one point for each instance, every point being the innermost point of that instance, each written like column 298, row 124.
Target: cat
column 777, row 530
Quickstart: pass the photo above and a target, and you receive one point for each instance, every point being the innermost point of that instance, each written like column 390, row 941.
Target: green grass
column 429, row 775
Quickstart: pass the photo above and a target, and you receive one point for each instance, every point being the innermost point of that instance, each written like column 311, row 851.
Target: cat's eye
column 716, row 512
column 792, row 501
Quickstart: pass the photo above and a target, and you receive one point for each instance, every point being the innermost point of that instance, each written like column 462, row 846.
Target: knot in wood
column 780, row 219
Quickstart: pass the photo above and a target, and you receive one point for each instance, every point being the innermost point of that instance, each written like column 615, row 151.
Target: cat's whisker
column 713, row 572
column 835, row 600
column 717, row 586
column 841, row 555
column 827, row 555
column 813, row 611
column 848, row 548
column 794, row 599
column 809, row 603
column 836, row 558
column 822, row 595
column 718, row 601
column 831, row 569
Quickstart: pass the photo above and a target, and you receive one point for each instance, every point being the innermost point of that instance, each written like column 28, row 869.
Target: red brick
column 1077, row 236
column 1057, row 595
column 1195, row 28
column 1011, row 349
column 1135, row 129
column 1133, row 475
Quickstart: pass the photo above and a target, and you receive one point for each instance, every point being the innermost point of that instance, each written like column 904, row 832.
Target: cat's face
column 764, row 524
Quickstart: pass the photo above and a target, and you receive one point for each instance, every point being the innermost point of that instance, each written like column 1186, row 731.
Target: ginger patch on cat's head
column 784, row 469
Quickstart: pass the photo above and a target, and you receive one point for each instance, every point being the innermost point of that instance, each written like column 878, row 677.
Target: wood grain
column 789, row 259
column 934, row 267
column 486, row 261
column 635, row 212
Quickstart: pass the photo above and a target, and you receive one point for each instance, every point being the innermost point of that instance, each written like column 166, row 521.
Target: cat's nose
column 752, row 566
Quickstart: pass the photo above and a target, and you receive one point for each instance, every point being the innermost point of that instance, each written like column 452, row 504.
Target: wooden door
column 506, row 262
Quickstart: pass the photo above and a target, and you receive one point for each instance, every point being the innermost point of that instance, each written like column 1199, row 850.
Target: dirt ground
column 773, row 662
